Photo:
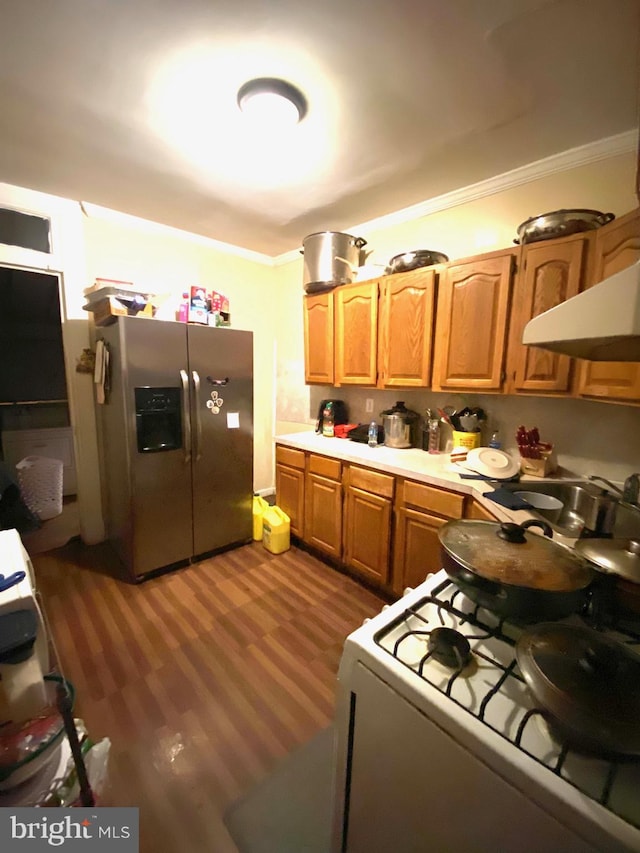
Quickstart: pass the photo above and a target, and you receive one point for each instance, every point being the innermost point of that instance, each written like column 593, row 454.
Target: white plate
column 492, row 463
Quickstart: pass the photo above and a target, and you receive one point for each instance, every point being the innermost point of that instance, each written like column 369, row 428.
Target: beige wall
column 595, row 436
column 166, row 262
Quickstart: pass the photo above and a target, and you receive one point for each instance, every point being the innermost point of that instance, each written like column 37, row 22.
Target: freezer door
column 154, row 355
column 221, row 370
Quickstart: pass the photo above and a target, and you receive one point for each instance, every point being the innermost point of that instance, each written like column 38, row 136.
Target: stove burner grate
column 477, row 624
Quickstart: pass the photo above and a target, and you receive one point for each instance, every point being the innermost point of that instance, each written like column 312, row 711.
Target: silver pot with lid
column 331, row 258
column 400, row 426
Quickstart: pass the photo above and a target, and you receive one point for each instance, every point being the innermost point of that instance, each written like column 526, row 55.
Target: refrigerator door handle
column 196, row 388
column 186, row 418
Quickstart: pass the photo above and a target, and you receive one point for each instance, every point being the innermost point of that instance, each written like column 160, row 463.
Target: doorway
column 34, row 406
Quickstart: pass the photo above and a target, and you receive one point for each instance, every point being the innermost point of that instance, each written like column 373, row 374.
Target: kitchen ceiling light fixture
column 269, row 99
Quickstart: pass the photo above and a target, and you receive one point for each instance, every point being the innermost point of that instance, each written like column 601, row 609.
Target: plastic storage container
column 259, row 507
column 276, row 529
column 40, row 480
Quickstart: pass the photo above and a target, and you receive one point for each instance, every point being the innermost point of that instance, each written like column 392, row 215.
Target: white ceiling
column 130, row 104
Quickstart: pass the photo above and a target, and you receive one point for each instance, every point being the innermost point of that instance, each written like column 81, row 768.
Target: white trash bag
column 40, row 480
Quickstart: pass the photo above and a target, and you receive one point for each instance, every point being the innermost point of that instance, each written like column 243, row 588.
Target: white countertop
column 431, row 468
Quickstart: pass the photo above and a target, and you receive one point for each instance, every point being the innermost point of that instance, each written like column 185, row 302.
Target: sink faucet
column 630, row 492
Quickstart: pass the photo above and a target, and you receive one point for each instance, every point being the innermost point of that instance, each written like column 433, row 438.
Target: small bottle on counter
column 433, row 425
column 494, row 441
column 328, row 428
column 372, row 439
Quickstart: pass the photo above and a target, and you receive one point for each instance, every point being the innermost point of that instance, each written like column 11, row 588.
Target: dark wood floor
column 203, row 678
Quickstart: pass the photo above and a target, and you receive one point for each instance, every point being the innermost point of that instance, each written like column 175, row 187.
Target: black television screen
column 31, row 352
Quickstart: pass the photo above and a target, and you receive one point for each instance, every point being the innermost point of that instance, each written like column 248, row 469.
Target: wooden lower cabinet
column 475, row 509
column 421, row 511
column 290, row 486
column 323, row 515
column 368, row 515
column 417, row 548
column 290, row 496
column 380, row 527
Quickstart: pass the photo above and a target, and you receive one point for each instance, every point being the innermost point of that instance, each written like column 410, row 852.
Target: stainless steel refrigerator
column 177, row 441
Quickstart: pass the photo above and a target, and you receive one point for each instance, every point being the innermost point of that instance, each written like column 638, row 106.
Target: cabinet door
column 417, row 548
column 550, row 273
column 471, row 324
column 406, row 329
column 617, row 246
column 356, row 318
column 477, row 511
column 290, row 496
column 323, row 515
column 367, row 534
column 318, row 338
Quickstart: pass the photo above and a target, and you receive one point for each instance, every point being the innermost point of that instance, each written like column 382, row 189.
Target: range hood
column 600, row 324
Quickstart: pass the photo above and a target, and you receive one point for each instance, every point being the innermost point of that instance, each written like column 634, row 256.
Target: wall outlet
column 368, row 406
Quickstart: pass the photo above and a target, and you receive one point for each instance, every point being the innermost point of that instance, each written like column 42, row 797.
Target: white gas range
column 456, row 757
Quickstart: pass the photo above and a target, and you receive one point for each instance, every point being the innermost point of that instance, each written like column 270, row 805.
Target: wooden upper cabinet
column 356, row 334
column 318, row 338
column 616, row 246
column 549, row 273
column 471, row 323
column 406, row 329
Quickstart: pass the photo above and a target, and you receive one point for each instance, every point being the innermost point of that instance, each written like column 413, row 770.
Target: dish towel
column 507, row 499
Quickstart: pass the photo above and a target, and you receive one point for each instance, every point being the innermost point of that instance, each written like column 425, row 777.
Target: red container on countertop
column 343, row 430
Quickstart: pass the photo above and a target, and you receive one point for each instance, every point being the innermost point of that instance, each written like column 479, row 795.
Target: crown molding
column 602, row 149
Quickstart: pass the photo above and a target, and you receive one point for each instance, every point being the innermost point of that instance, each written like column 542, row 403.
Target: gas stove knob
column 407, row 591
column 364, row 621
column 385, row 607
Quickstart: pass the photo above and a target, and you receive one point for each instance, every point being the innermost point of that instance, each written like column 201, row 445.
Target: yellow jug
column 276, row 526
column 259, row 506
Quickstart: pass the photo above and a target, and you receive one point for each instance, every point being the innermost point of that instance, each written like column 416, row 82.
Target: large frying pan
column 514, row 574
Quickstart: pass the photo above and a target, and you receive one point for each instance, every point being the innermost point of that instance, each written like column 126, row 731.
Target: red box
column 198, row 298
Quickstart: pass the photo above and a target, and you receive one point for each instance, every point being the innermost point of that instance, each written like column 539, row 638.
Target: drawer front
column 371, row 481
column 448, row 504
column 289, row 456
column 325, row 467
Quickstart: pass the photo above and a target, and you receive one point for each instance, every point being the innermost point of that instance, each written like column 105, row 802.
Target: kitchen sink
column 587, row 509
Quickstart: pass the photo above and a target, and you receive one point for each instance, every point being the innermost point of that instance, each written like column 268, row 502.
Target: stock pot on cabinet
column 330, row 258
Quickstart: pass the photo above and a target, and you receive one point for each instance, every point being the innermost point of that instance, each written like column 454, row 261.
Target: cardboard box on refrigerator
column 107, row 311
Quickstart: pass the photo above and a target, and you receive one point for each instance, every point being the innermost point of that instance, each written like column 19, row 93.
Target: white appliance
column 22, row 690
column 432, row 758
column 600, row 324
